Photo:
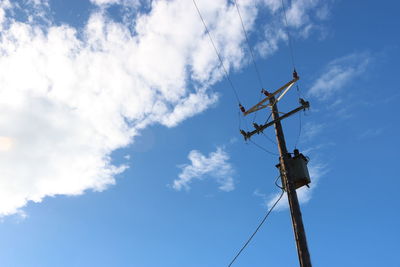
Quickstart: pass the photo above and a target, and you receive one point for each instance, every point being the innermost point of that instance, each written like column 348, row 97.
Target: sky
column 120, row 143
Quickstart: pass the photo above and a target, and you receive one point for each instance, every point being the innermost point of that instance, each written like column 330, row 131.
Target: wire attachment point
column 265, row 92
column 245, row 135
column 295, row 75
column 257, row 127
column 242, row 109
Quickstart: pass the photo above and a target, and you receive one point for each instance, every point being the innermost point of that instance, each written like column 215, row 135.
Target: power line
column 276, row 180
column 258, row 228
column 288, row 33
column 298, row 136
column 269, row 139
column 216, row 51
column 255, row 113
column 266, row 136
column 251, row 54
column 248, row 44
column 260, row 147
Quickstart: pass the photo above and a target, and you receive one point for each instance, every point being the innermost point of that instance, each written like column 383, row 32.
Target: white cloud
column 273, row 37
column 299, row 22
column 127, row 3
column 338, row 73
column 304, row 194
column 71, row 96
column 311, row 130
column 104, row 2
column 216, row 166
column 67, row 102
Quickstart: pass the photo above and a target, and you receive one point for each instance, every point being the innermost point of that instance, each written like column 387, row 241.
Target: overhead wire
column 299, row 134
column 260, row 81
column 248, row 44
column 268, row 138
column 258, row 228
column 289, row 36
column 262, row 148
column 226, row 74
column 276, row 180
column 290, row 40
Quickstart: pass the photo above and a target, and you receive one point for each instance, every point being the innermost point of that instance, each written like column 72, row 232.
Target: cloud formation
column 302, row 17
column 215, row 166
column 69, row 96
column 338, row 73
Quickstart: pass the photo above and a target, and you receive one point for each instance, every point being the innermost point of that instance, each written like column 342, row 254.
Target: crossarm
column 261, row 105
column 247, row 135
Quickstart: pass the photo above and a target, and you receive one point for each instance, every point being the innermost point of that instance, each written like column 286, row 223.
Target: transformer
column 298, row 167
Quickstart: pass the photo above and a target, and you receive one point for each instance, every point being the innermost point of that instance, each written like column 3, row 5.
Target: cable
column 260, row 147
column 255, row 113
column 288, row 33
column 276, row 180
column 258, row 227
column 298, row 136
column 269, row 139
column 268, row 118
column 260, row 81
column 216, row 51
column 266, row 136
column 248, row 44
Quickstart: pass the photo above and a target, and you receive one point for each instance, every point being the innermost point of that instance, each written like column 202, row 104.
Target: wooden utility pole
column 285, row 160
column 288, row 182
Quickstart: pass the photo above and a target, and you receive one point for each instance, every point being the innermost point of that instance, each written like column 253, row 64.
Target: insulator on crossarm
column 242, row 108
column 265, row 92
column 304, row 103
column 295, row 76
column 245, row 135
column 257, row 127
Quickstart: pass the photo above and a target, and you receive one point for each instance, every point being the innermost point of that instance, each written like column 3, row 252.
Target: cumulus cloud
column 70, row 97
column 338, row 73
column 215, row 166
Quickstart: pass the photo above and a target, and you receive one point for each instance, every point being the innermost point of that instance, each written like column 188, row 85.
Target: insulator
column 265, row 92
column 295, row 76
column 245, row 135
column 242, row 108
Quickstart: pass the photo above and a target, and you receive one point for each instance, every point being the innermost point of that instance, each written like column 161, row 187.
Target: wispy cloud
column 338, row 74
column 215, row 166
column 371, row 133
column 299, row 19
column 311, row 130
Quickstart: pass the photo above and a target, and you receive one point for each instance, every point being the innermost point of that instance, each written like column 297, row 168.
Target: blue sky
column 119, row 140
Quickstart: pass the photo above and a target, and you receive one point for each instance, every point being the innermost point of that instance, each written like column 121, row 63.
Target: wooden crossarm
column 261, row 104
column 260, row 128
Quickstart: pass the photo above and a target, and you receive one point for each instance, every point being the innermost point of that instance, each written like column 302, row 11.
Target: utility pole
column 288, row 181
column 285, row 162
